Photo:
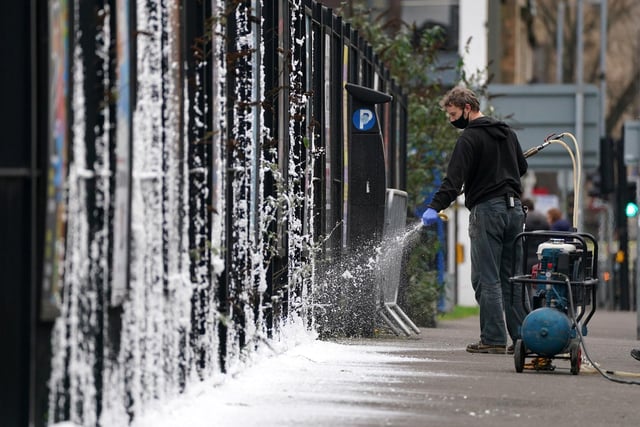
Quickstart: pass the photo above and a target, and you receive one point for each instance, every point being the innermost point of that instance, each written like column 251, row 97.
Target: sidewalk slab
column 424, row 380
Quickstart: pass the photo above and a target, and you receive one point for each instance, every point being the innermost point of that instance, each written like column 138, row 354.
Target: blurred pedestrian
column 556, row 220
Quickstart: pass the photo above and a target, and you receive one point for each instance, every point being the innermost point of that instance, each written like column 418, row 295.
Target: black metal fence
column 196, row 157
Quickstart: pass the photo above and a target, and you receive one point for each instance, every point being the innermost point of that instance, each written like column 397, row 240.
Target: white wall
column 473, row 26
column 464, row 291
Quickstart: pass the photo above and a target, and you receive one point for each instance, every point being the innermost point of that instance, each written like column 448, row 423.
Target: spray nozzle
column 534, row 150
column 547, row 140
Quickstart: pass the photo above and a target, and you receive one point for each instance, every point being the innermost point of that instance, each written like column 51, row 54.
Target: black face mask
column 461, row 122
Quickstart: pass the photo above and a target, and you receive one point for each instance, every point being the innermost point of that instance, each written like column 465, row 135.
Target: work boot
column 478, row 347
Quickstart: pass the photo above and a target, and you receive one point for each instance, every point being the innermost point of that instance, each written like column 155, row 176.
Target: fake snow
column 316, row 381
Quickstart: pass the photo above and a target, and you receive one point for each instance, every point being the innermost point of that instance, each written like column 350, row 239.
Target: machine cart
column 559, row 295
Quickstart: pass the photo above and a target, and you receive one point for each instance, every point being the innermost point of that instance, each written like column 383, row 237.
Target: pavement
column 430, row 380
column 466, row 389
column 427, row 379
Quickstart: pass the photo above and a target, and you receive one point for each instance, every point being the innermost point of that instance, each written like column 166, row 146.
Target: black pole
column 19, row 40
column 622, row 227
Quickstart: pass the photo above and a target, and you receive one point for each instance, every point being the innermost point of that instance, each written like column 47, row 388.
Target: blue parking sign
column 364, row 119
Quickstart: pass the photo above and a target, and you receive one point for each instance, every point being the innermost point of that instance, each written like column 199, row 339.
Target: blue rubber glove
column 429, row 217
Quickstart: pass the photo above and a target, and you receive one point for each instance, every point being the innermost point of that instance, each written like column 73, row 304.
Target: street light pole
column 580, row 105
column 603, row 68
column 560, row 41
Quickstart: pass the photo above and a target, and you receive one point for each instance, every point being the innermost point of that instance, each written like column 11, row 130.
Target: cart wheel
column 518, row 355
column 576, row 359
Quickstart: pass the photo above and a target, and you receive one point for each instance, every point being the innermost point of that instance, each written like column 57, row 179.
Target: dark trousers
column 493, row 227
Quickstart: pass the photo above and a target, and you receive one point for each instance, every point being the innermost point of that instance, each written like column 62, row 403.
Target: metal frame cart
column 563, row 286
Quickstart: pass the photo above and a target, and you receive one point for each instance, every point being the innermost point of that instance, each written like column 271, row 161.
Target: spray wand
column 534, row 150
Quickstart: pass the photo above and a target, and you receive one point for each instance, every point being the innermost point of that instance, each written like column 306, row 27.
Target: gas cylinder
column 546, row 331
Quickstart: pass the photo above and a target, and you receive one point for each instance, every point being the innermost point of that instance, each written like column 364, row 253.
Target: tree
column 623, row 72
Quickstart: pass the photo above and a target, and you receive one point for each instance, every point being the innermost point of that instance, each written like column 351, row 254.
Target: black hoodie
column 487, row 160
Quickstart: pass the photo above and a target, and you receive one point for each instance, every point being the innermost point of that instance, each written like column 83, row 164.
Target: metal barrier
column 393, row 245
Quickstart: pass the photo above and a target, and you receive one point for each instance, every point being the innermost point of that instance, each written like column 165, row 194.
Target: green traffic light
column 631, row 210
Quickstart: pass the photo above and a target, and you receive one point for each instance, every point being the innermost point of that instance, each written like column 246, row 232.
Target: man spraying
column 488, row 162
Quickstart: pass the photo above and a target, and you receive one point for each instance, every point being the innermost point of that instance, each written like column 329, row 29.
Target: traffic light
column 606, row 180
column 631, row 202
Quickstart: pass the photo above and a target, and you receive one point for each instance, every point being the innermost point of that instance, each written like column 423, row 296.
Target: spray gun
column 534, row 150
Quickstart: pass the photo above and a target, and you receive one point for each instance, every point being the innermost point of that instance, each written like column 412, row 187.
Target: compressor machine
column 562, row 287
